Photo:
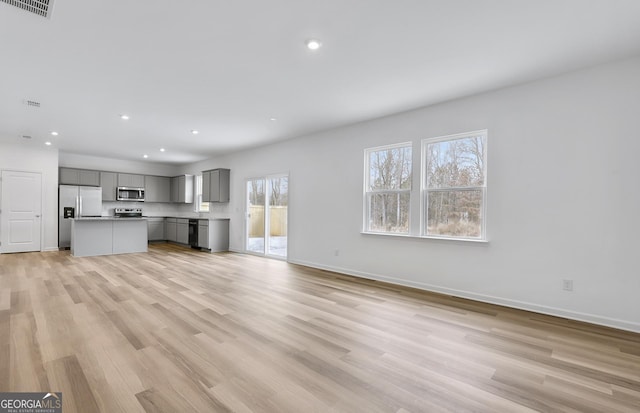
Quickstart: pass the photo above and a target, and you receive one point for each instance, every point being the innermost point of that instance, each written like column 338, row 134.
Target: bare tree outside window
column 455, row 185
column 388, row 188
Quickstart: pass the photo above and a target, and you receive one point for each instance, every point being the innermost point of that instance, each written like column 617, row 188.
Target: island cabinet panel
column 106, row 236
column 90, row 238
column 129, row 236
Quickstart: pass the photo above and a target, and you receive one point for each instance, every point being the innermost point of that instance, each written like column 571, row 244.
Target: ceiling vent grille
column 40, row 7
column 31, row 103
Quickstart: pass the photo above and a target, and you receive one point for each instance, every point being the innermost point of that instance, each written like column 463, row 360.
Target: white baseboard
column 522, row 305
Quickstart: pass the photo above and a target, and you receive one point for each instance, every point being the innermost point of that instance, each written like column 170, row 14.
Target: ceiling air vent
column 31, row 103
column 40, row 7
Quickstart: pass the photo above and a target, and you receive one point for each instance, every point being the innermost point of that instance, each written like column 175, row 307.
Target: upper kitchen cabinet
column 157, row 189
column 72, row 176
column 109, row 183
column 182, row 189
column 215, row 185
column 131, row 180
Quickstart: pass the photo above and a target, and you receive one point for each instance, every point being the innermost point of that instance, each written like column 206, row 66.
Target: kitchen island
column 107, row 236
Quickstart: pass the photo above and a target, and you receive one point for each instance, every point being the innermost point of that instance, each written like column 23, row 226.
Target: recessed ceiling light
column 124, row 117
column 194, row 131
column 54, row 133
column 145, row 156
column 47, row 143
column 273, row 119
column 313, row 44
column 161, row 149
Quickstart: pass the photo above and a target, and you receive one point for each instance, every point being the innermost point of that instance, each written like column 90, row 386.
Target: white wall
column 26, row 156
column 563, row 197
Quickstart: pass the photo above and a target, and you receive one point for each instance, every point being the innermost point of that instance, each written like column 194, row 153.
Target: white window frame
column 424, row 198
column 368, row 193
column 199, row 206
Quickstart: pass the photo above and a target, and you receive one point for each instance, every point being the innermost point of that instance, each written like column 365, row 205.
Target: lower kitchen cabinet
column 171, row 233
column 213, row 234
column 203, row 233
column 182, row 229
column 155, row 229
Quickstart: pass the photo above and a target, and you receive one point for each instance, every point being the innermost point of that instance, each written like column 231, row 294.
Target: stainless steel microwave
column 130, row 194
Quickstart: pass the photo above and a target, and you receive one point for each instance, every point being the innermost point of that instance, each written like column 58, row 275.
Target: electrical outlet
column 567, row 285
column 336, row 252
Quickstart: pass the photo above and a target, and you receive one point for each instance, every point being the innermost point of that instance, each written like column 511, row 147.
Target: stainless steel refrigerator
column 76, row 202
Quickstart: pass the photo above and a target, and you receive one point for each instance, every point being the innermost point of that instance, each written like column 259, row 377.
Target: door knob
column 37, row 216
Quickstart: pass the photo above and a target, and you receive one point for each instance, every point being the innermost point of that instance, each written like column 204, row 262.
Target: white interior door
column 21, row 211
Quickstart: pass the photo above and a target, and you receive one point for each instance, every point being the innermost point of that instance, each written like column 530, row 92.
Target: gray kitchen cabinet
column 213, row 234
column 131, row 180
column 157, row 189
column 171, row 229
column 215, row 185
column 85, row 177
column 182, row 231
column 155, row 229
column 89, row 178
column 182, row 189
column 203, row 233
column 109, row 183
column 206, row 186
column 175, row 189
column 69, row 176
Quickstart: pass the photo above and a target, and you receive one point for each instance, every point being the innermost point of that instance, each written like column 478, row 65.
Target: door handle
column 37, row 216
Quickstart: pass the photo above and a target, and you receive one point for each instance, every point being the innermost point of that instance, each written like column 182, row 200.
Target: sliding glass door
column 267, row 215
column 255, row 216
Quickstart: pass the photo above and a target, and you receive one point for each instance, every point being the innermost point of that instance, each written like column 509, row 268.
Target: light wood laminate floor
column 177, row 330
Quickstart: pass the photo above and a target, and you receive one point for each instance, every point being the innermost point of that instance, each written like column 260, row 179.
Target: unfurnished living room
column 331, row 206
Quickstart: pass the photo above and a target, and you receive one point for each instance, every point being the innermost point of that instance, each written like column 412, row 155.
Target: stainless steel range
column 128, row 212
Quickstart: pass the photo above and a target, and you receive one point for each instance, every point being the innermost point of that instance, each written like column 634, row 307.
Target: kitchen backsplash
column 167, row 209
column 150, row 209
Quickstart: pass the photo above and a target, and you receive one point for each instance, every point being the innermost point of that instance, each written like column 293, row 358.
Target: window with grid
column 454, row 186
column 387, row 194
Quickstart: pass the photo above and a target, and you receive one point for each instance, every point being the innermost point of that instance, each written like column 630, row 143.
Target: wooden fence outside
column 278, row 223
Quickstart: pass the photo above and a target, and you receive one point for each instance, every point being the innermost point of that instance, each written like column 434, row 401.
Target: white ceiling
column 226, row 67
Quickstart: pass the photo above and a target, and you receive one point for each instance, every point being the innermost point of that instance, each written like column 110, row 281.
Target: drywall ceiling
column 226, row 68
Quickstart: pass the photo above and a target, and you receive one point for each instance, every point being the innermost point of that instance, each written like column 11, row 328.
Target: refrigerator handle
column 79, row 206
